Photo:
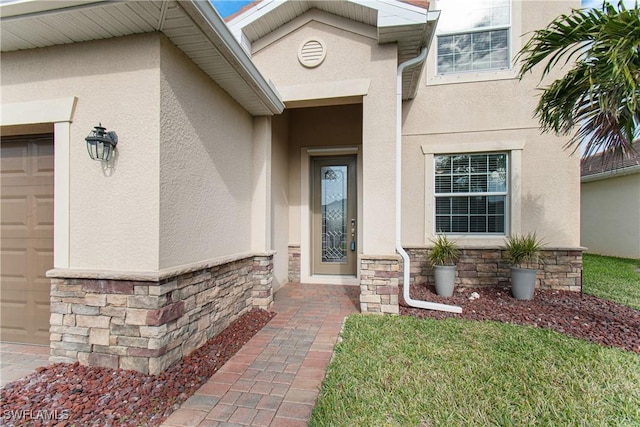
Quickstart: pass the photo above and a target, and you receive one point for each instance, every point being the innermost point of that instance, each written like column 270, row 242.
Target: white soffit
column 409, row 26
column 193, row 26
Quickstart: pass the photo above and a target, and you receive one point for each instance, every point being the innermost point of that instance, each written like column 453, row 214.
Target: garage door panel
column 26, row 240
column 42, row 155
column 14, row 265
column 13, row 310
column 43, row 219
column 23, row 314
column 44, row 260
column 14, row 161
column 14, row 215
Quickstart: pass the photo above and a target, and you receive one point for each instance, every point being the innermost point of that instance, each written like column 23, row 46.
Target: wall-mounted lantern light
column 101, row 143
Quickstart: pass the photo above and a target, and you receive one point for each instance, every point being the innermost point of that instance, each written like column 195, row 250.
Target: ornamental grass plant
column 524, row 250
column 444, row 251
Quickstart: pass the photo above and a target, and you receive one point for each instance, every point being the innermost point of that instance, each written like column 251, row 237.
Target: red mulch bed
column 107, row 397
column 76, row 395
column 571, row 313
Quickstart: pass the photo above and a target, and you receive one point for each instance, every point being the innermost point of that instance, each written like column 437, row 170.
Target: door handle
column 353, row 234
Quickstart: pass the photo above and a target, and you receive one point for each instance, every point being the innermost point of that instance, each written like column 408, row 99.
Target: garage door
column 26, row 237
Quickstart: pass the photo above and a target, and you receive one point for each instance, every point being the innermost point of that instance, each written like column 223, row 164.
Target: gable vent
column 312, row 52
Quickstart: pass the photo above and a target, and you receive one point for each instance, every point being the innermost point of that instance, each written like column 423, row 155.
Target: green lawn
column 401, row 371
column 615, row 279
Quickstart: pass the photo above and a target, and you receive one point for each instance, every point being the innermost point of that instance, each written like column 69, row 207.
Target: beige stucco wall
column 352, row 54
column 493, row 108
column 179, row 190
column 309, row 129
column 611, row 216
column 280, row 198
column 205, row 166
column 113, row 213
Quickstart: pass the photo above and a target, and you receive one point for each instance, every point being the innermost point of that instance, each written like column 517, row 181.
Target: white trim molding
column 514, row 222
column 60, row 113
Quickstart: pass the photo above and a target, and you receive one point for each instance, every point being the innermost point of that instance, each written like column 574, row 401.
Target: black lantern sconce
column 101, row 143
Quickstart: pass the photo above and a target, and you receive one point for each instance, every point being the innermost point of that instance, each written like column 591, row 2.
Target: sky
column 229, row 7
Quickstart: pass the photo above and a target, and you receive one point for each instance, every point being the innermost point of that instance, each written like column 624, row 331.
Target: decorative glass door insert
column 334, row 223
column 334, row 213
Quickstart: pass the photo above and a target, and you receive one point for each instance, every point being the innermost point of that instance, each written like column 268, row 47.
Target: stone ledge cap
column 151, row 276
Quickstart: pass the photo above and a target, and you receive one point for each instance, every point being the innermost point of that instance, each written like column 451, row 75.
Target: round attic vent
column 312, row 52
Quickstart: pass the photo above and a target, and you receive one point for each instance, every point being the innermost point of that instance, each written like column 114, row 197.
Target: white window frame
column 514, row 40
column 468, row 194
column 513, row 224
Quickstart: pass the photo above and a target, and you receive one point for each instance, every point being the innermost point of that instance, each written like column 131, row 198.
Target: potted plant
column 443, row 257
column 523, row 252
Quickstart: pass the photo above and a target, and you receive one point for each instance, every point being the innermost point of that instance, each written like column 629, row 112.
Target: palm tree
column 601, row 92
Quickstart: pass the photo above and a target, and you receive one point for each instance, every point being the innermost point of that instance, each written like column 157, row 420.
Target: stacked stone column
column 379, row 280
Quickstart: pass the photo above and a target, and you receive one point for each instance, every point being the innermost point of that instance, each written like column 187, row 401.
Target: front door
column 334, row 222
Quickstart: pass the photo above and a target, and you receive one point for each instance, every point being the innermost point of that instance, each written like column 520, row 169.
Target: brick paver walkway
column 274, row 380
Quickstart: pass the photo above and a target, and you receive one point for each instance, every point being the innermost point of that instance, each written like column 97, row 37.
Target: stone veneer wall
column 149, row 325
column 380, row 276
column 294, row 263
column 379, row 280
column 561, row 269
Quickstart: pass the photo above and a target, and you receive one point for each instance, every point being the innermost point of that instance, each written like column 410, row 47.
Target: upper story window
column 473, row 35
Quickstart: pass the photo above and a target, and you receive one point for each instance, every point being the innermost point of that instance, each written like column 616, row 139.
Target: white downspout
column 405, row 257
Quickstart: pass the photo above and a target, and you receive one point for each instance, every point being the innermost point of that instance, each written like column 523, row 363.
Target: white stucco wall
column 493, row 108
column 206, row 167
column 113, row 213
column 611, row 216
column 352, row 54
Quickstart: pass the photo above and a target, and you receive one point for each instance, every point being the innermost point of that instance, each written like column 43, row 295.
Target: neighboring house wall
column 113, row 213
column 205, row 166
column 487, row 112
column 611, row 216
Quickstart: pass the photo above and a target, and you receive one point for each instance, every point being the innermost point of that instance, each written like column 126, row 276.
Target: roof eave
column 414, row 75
column 33, row 7
column 254, row 92
column 611, row 174
column 212, row 24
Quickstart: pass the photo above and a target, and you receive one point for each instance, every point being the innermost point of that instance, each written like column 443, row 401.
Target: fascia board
column 390, row 13
column 393, row 12
column 258, row 11
column 32, row 7
column 611, row 174
column 240, row 59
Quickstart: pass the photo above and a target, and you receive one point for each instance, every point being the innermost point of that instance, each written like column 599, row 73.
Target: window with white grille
column 473, row 35
column 471, row 193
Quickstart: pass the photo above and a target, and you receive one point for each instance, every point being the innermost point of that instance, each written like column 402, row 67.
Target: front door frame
column 306, row 155
column 346, row 267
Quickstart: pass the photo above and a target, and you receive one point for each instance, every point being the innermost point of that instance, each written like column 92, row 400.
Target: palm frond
column 601, row 92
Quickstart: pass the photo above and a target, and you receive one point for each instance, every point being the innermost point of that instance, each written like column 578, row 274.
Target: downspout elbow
column 405, row 257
